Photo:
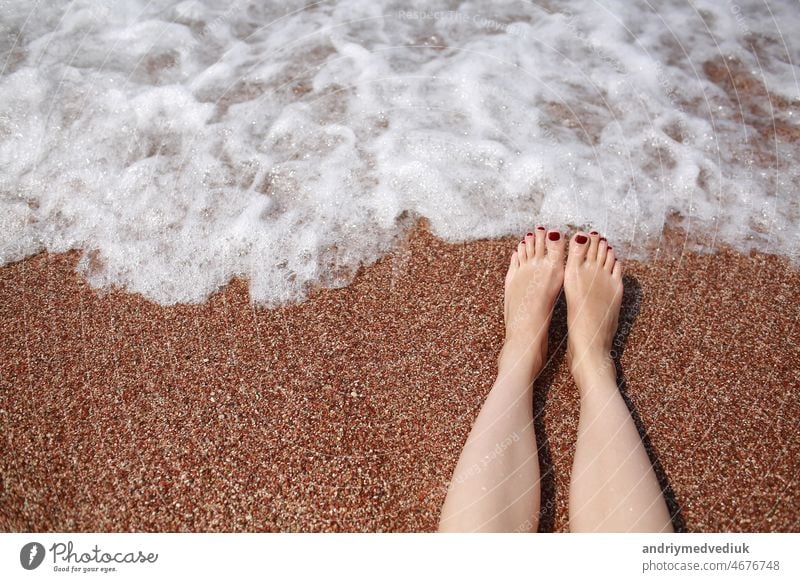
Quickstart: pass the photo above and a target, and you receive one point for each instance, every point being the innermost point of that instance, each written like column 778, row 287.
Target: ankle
column 522, row 354
column 590, row 369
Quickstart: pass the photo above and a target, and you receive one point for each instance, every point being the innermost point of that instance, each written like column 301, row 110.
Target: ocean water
column 181, row 144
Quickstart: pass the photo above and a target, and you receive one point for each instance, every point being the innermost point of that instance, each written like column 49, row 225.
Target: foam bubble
column 179, row 145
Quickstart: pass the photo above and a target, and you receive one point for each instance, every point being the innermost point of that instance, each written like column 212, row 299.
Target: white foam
column 182, row 144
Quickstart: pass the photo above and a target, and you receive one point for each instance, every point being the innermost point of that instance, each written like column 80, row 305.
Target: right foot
column 593, row 289
column 532, row 285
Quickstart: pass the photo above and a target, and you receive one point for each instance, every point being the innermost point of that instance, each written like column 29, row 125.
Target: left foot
column 532, row 285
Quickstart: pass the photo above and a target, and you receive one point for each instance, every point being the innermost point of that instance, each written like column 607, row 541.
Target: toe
column 602, row 249
column 522, row 252
column 514, row 263
column 540, row 235
column 530, row 246
column 578, row 247
column 610, row 259
column 594, row 242
column 616, row 272
column 555, row 246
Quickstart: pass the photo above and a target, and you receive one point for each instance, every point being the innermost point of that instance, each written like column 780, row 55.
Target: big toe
column 555, row 246
column 578, row 248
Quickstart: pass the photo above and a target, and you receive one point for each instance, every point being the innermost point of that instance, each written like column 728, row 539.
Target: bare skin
column 613, row 486
column 495, row 486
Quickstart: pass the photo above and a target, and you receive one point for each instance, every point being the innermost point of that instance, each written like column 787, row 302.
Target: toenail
column 594, row 232
column 529, row 234
column 554, row 236
column 580, row 239
column 540, row 228
column 611, row 248
column 602, row 238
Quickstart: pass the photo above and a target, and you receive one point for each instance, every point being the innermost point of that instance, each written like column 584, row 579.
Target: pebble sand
column 348, row 412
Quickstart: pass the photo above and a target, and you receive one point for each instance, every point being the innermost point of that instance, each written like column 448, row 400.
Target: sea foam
column 179, row 145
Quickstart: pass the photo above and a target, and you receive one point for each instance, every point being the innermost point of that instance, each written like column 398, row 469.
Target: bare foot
column 533, row 282
column 593, row 288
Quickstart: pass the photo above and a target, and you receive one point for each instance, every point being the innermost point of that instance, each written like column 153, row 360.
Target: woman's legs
column 613, row 485
column 495, row 486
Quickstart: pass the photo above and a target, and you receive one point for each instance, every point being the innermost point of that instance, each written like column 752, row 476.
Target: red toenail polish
column 594, row 232
column 602, row 238
column 554, row 236
column 611, row 248
column 540, row 228
column 580, row 239
column 529, row 234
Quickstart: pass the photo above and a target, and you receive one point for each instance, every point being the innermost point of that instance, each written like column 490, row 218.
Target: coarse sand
column 348, row 411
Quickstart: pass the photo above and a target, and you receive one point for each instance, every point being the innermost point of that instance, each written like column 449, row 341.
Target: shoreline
column 347, row 412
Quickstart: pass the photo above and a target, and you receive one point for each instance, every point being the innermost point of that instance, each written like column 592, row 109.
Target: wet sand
column 348, row 412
